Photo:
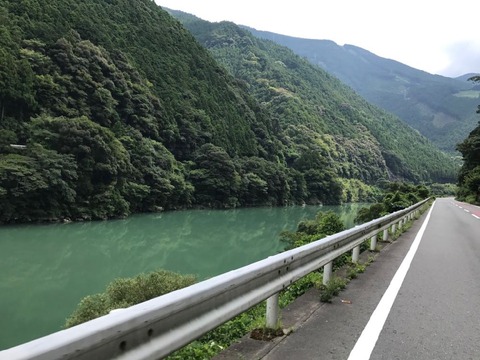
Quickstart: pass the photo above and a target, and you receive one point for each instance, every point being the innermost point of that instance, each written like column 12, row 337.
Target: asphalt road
column 435, row 314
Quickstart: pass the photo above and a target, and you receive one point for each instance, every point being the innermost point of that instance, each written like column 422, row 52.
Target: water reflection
column 46, row 269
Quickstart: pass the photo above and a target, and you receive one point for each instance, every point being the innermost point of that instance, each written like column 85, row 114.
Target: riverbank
column 47, row 269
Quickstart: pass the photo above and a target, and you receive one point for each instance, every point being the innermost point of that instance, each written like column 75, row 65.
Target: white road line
column 466, row 210
column 475, row 216
column 367, row 340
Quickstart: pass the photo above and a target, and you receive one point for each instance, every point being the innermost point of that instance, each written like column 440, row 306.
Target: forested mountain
column 469, row 177
column 121, row 110
column 112, row 107
column 437, row 106
column 362, row 141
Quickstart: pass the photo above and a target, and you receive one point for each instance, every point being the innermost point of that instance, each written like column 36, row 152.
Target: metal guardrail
column 156, row 328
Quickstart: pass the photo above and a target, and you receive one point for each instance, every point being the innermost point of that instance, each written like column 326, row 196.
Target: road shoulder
column 330, row 330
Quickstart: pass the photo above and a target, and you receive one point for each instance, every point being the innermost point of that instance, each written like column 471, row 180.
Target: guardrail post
column 192, row 311
column 327, row 272
column 394, row 229
column 355, row 254
column 373, row 242
column 272, row 311
column 385, row 235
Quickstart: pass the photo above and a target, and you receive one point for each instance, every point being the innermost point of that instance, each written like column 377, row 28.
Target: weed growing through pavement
column 333, row 288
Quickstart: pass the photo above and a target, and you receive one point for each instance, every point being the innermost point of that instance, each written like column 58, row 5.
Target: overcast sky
column 438, row 36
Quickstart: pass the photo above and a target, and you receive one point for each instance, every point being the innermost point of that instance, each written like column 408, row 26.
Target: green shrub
column 397, row 196
column 299, row 287
column 90, row 307
column 122, row 293
column 366, row 214
column 325, row 223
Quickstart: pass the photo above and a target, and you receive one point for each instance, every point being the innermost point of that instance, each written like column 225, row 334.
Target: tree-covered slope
column 469, row 177
column 112, row 107
column 364, row 141
column 176, row 68
column 437, row 106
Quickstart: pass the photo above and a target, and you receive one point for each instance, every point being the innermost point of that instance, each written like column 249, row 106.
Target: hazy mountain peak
column 441, row 108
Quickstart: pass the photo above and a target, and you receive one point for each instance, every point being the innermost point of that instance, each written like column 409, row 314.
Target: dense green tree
column 157, row 179
column 396, row 196
column 469, row 177
column 16, row 84
column 102, row 162
column 214, row 177
column 264, row 182
column 324, row 224
column 36, row 183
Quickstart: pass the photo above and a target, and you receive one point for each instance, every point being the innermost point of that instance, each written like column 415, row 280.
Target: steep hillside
column 469, row 176
column 112, row 107
column 439, row 107
column 362, row 140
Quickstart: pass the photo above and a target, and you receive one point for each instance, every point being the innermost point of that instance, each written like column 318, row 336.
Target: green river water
column 46, row 269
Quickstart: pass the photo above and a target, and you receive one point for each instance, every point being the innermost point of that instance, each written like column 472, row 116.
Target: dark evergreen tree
column 469, row 177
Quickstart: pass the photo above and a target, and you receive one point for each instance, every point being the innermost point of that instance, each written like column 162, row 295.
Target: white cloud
column 464, row 57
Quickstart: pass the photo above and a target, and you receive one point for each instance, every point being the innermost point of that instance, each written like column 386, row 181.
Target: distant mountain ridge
column 466, row 77
column 346, row 133
column 441, row 108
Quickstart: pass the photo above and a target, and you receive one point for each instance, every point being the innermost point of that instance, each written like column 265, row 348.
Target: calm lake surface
column 46, row 269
